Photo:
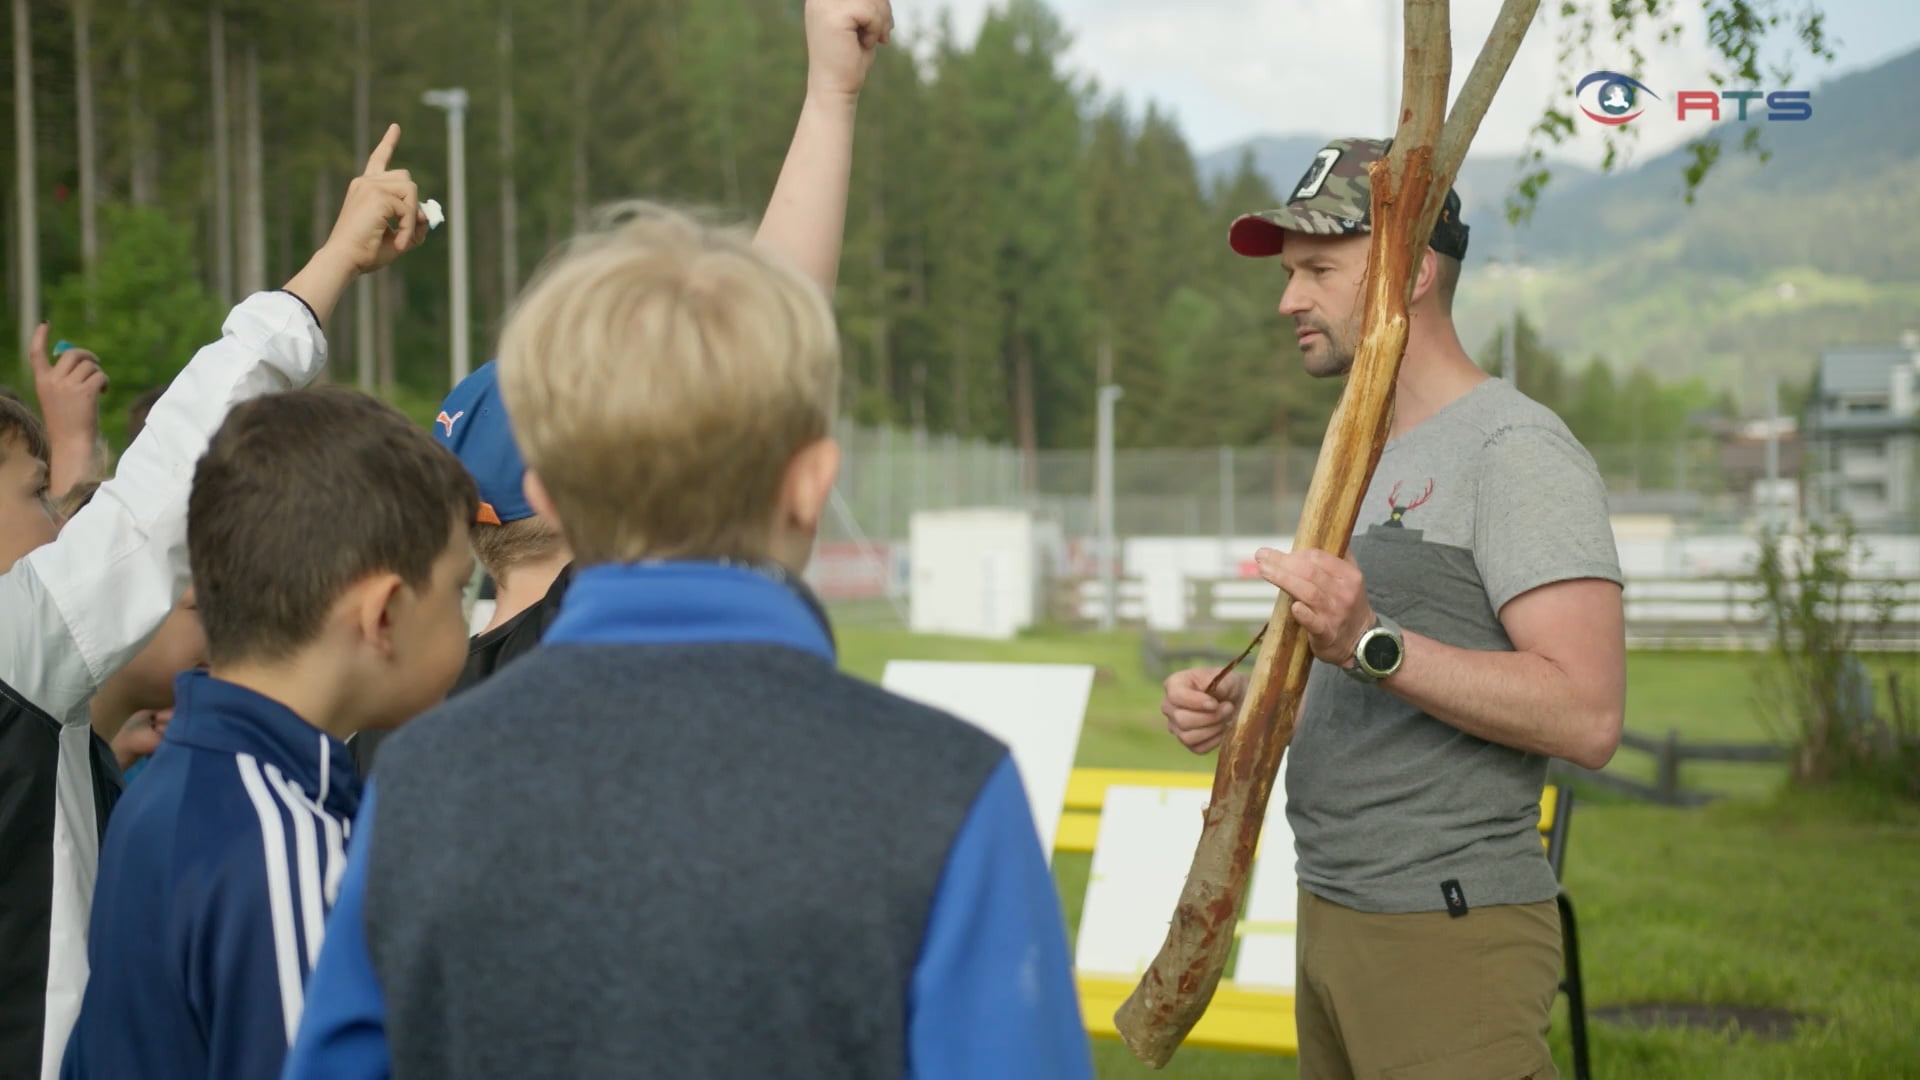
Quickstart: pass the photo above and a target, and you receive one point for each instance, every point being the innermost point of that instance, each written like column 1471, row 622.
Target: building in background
column 1771, row 489
column 1863, row 436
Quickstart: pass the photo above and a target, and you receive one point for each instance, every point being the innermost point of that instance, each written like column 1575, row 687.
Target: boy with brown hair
column 328, row 538
column 74, row 610
column 523, row 553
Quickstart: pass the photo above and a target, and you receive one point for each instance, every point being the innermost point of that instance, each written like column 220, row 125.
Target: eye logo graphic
column 1618, row 97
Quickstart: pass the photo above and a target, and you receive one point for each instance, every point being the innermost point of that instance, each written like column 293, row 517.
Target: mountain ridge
column 1814, row 248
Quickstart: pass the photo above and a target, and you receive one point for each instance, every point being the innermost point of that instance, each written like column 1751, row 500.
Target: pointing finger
column 383, row 153
column 37, row 351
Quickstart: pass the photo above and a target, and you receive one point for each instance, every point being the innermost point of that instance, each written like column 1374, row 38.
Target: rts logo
column 1618, row 101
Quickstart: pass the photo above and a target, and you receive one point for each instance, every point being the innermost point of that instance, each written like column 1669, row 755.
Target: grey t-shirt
column 1488, row 498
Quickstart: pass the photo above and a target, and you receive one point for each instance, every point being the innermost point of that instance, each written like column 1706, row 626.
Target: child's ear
column 809, row 483
column 535, row 490
column 376, row 606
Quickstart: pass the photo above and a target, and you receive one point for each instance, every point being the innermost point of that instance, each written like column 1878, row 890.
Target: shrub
column 1818, row 606
column 149, row 314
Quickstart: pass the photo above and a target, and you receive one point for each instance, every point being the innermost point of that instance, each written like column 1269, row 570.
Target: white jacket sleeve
column 77, row 610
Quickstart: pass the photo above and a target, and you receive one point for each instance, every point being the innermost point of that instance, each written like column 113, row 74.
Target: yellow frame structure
column 1238, row 1018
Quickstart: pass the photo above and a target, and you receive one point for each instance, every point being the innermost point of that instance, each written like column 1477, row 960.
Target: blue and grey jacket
column 675, row 841
column 215, row 881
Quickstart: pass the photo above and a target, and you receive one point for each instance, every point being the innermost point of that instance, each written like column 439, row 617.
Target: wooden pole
column 26, row 188
column 1408, row 189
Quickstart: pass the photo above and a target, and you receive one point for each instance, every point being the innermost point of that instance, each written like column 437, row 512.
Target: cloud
column 1229, row 69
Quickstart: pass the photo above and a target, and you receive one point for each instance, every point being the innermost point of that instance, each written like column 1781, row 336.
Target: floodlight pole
column 454, row 101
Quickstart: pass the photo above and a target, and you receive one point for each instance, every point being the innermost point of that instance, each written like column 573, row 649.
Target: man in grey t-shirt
column 1474, row 632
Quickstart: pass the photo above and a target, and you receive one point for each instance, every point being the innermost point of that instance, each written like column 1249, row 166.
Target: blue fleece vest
column 675, row 841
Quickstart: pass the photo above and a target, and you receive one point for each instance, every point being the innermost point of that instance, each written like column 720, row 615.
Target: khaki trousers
column 1426, row 996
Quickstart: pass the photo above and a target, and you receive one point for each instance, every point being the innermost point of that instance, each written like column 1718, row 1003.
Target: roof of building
column 1860, row 369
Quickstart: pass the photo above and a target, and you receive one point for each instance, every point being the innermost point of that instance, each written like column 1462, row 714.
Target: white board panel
column 1268, row 934
column 1036, row 709
column 1140, row 862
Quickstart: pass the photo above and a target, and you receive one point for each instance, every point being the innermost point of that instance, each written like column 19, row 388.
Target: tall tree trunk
column 364, row 315
column 582, row 104
column 917, row 402
column 389, row 313
column 142, row 169
column 961, row 422
column 917, row 299
column 877, row 229
column 8, row 226
column 280, row 254
column 509, row 200
column 25, row 186
column 321, row 228
column 1024, row 412
column 222, row 159
column 322, row 209
column 253, row 200
column 89, row 160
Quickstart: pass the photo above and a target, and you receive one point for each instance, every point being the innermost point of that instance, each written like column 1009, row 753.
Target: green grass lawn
column 1804, row 901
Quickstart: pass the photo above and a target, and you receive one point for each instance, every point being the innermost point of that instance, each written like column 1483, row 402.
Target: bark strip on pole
column 1408, row 189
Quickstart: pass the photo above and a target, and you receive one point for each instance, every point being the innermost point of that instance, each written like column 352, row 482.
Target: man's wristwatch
column 1379, row 651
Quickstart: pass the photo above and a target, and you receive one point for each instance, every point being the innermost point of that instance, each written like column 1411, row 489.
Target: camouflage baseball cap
column 1332, row 199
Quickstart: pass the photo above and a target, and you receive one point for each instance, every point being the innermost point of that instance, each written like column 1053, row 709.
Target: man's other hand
column 1198, row 719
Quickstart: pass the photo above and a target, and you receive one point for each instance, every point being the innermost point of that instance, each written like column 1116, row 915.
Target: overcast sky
column 1230, row 69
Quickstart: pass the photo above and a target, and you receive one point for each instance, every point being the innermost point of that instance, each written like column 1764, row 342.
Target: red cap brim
column 1255, row 237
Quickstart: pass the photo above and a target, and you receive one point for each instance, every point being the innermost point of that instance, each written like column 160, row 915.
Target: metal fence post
column 1667, row 766
column 1103, row 468
column 1226, row 506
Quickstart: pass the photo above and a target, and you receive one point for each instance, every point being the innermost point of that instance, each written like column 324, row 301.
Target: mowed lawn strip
column 1808, row 902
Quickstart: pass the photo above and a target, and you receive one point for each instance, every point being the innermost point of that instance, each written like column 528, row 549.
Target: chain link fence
column 1705, row 483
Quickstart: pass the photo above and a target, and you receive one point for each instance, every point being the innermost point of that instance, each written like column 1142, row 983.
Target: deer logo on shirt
column 1396, row 510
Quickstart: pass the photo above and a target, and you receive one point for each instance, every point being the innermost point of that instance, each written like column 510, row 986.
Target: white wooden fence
column 1661, row 612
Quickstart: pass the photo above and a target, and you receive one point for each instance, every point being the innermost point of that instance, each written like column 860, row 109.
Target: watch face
column 1380, row 652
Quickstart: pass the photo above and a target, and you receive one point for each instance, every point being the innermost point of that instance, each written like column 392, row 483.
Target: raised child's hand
column 841, row 38
column 381, row 218
column 69, row 389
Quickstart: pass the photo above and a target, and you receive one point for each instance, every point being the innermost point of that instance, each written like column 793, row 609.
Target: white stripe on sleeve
column 313, row 916
column 335, row 831
column 286, row 952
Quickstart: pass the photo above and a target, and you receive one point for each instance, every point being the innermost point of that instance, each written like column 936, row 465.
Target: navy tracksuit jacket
column 217, row 874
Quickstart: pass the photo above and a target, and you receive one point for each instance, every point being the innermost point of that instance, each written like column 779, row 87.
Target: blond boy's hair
column 662, row 373
column 503, row 549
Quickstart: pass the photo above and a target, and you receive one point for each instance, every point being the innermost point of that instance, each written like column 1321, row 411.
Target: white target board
column 1036, row 709
column 1140, row 863
column 1269, row 935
